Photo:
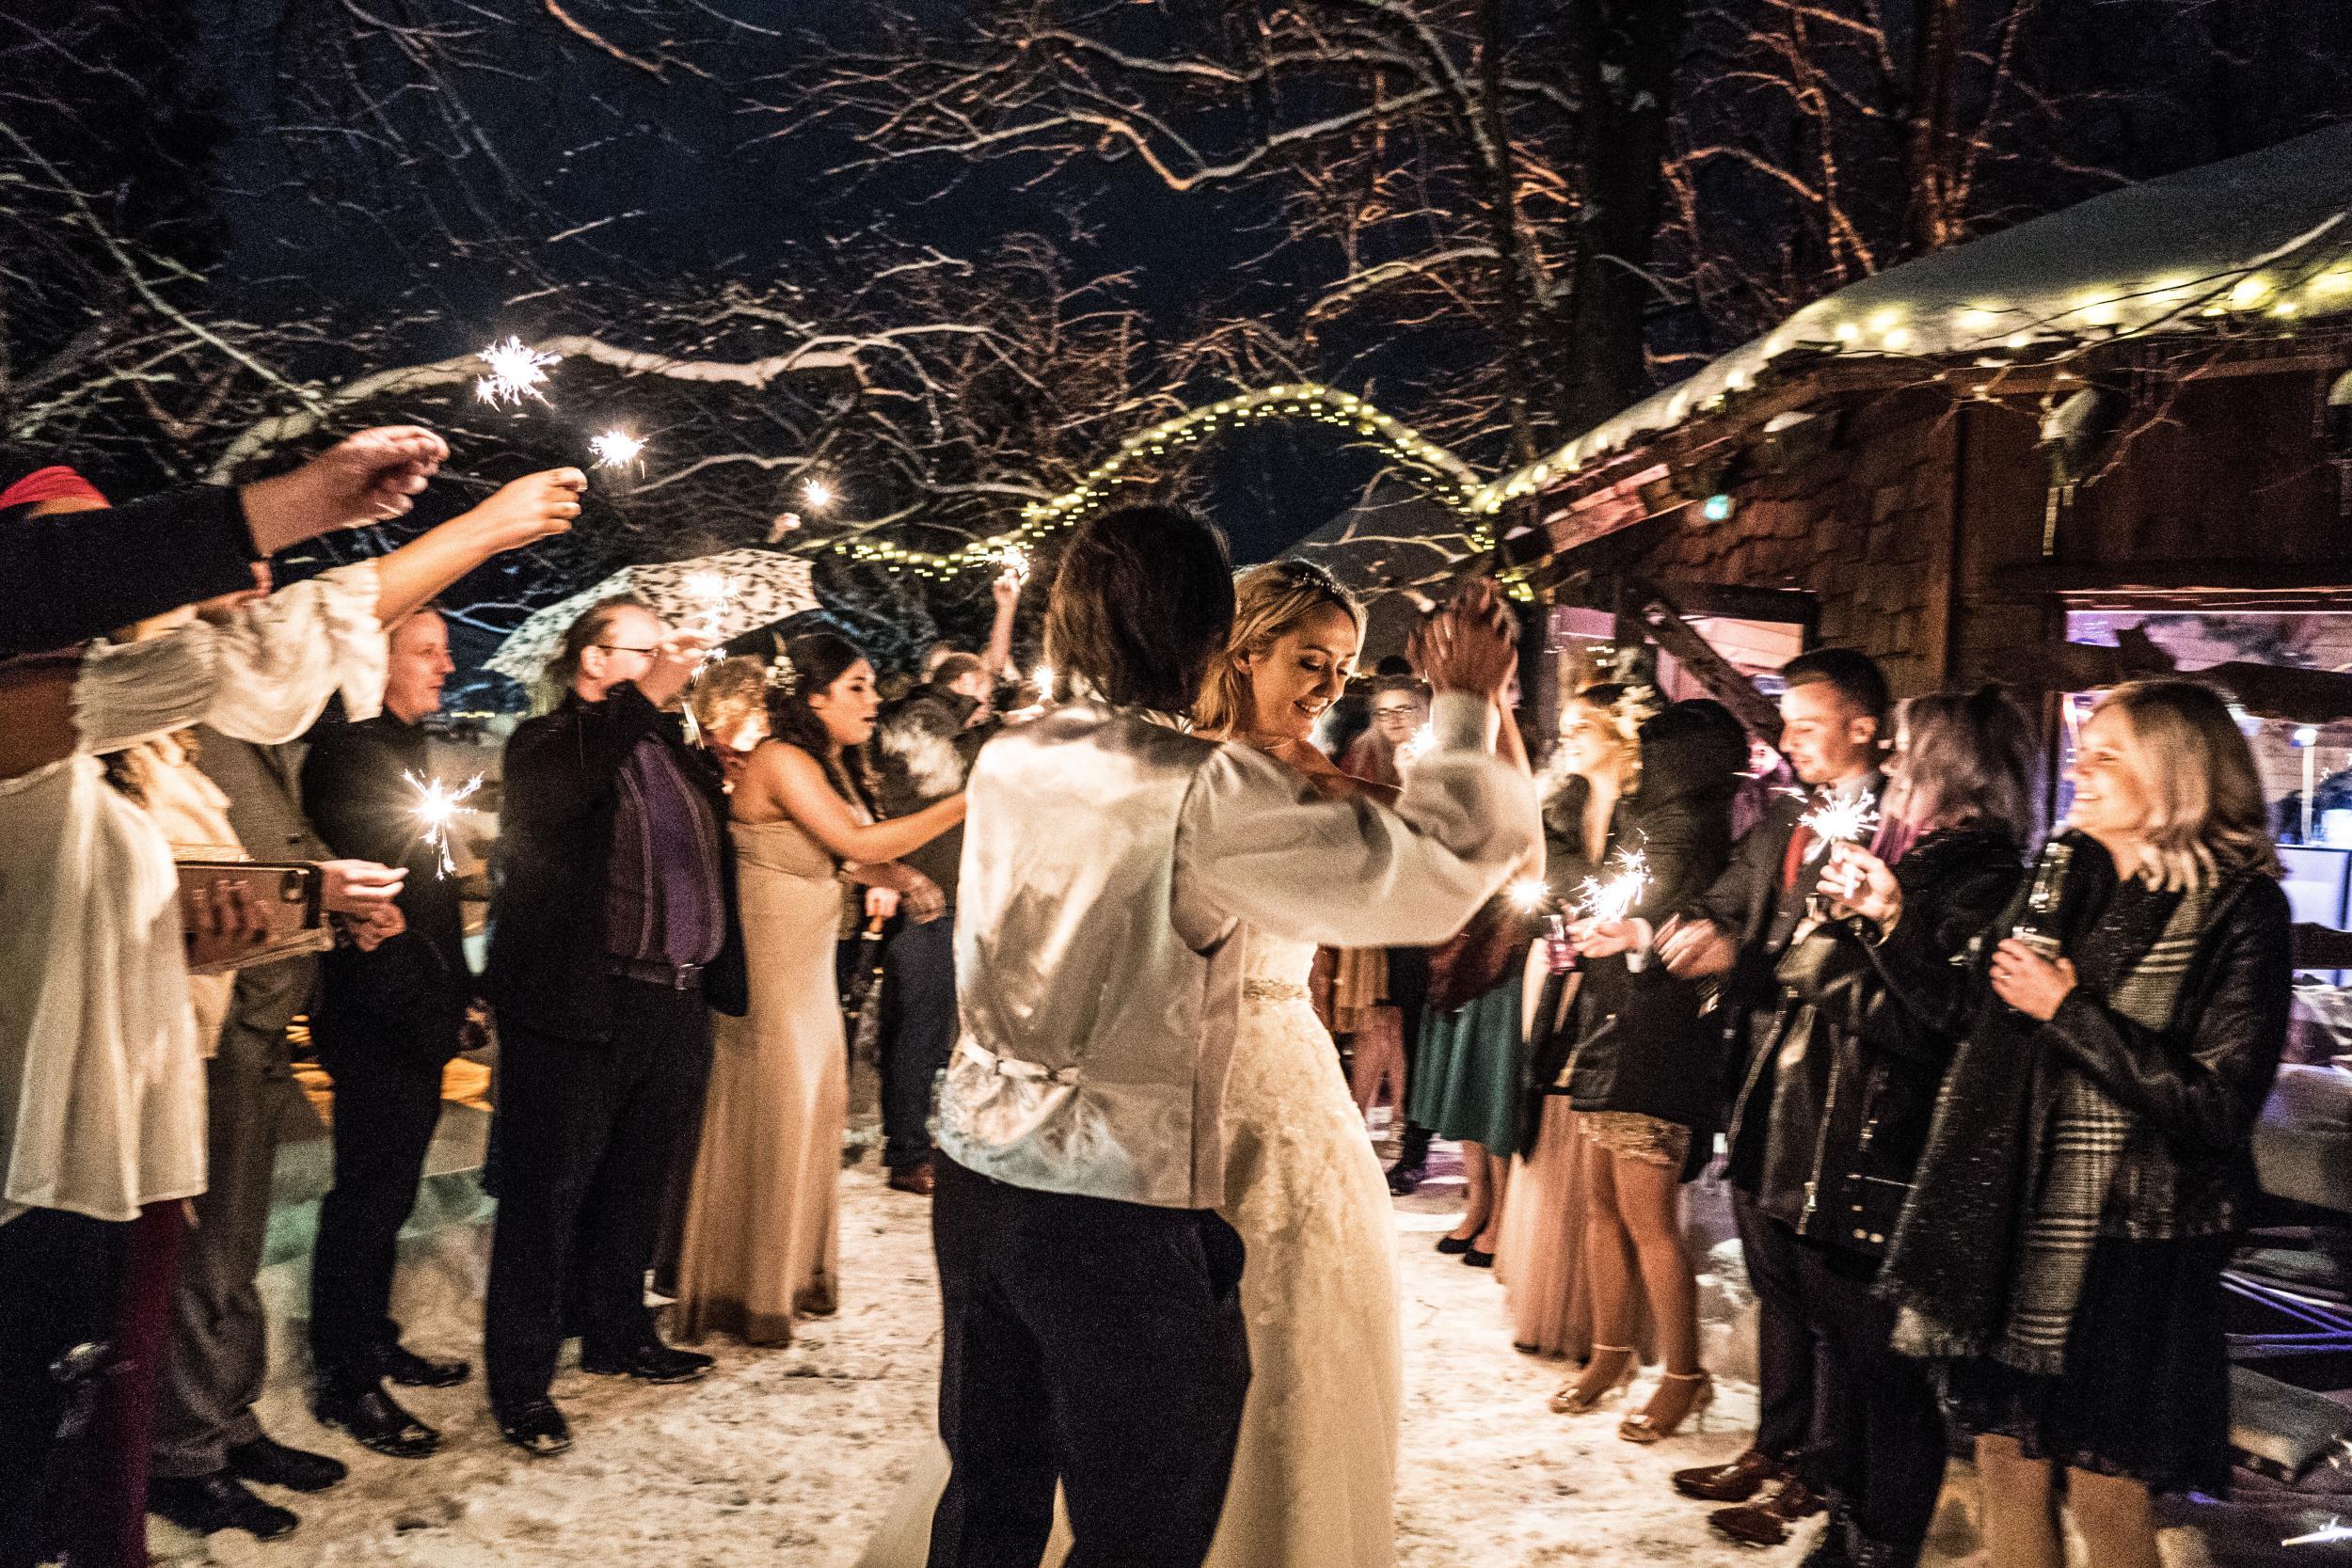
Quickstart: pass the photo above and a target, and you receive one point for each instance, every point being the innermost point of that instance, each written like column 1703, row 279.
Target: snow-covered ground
column 790, row 1456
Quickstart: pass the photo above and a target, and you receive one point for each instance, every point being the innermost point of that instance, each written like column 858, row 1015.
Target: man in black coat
column 1833, row 724
column 387, row 1022
column 614, row 935
column 64, row 583
column 927, row 741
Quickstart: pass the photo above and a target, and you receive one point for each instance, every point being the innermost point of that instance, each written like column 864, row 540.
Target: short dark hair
column 1394, row 664
column 1855, row 675
column 955, row 667
column 1141, row 606
column 593, row 623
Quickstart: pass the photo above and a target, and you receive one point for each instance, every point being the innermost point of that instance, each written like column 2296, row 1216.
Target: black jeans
column 1408, row 994
column 1887, row 1445
column 1795, row 1393
column 388, row 1103
column 918, row 1030
column 59, row 1274
column 588, row 1134
column 1091, row 1340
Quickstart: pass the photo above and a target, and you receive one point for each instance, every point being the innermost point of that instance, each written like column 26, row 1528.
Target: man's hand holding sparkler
column 681, row 655
column 1696, row 950
column 371, row 477
column 360, row 888
column 534, row 507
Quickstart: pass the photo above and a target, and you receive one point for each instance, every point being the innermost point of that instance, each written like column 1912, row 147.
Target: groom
column 1092, row 1326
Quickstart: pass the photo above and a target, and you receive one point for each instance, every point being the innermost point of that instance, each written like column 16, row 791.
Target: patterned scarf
column 2084, row 1142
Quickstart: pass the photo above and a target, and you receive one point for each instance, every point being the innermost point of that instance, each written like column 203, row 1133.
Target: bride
column 1314, row 1476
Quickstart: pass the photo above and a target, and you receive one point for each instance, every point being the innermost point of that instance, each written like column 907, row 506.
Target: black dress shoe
column 1453, row 1246
column 1405, row 1177
column 1735, row 1481
column 273, row 1464
column 1477, row 1259
column 396, row 1362
column 215, row 1502
column 537, row 1427
column 373, row 1418
column 651, row 1362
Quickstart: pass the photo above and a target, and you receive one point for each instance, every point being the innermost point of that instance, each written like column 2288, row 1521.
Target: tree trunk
column 1931, row 221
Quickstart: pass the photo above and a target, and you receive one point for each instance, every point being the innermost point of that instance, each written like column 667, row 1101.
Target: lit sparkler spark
column 1849, row 821
column 1014, row 560
column 1529, row 893
column 1042, row 679
column 616, row 448
column 1606, row 901
column 817, row 493
column 517, row 371
column 711, row 592
column 437, row 807
column 1413, row 750
column 2333, row 1532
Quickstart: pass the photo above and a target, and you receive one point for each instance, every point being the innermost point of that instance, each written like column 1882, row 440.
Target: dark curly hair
column 818, row 659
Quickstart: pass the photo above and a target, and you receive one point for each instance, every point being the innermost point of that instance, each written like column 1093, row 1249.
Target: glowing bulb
column 2250, row 292
column 1976, row 319
column 1899, row 339
column 1848, row 332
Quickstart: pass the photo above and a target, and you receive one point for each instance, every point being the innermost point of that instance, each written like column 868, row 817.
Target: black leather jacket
column 1830, row 1140
column 2196, row 1087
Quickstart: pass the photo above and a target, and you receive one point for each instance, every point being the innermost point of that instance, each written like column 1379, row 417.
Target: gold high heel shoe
column 1641, row 1427
column 1569, row 1403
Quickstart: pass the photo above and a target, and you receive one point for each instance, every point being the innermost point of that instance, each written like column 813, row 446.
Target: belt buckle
column 684, row 976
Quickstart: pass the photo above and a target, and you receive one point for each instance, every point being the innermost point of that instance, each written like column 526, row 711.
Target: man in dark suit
column 927, row 741
column 614, row 935
column 1833, row 729
column 389, row 1021
column 208, row 1445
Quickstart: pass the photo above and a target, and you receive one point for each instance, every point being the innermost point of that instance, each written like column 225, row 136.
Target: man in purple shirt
column 614, row 936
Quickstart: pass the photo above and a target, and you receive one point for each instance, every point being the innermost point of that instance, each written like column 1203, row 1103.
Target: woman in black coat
column 1876, row 997
column 2091, row 1154
column 1643, row 1072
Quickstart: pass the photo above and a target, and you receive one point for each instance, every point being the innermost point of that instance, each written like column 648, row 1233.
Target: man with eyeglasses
column 614, row 936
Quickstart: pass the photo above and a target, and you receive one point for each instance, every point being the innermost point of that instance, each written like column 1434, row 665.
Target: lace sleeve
column 264, row 675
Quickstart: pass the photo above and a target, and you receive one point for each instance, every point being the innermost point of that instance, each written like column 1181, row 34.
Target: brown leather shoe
column 1766, row 1523
column 912, row 1179
column 1734, row 1482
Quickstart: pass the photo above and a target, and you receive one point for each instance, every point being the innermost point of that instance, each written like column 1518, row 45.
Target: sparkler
column 517, row 371
column 1015, row 560
column 2331, row 1533
column 1848, row 820
column 1042, row 679
column 1529, row 893
column 1413, row 751
column 1609, row 899
column 437, row 807
column 616, row 448
column 817, row 493
column 712, row 593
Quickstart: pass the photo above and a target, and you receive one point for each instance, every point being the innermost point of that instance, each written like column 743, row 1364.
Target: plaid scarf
column 2083, row 1144
column 2022, row 1159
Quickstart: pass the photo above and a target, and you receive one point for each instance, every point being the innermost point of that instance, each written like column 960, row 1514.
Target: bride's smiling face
column 1300, row 673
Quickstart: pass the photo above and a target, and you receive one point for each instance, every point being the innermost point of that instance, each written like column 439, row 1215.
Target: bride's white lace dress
column 1314, row 1476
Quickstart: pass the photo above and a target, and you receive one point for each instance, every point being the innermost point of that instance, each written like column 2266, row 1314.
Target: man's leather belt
column 669, row 976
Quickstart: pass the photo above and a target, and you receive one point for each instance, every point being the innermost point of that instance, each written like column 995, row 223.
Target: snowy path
column 790, row 1456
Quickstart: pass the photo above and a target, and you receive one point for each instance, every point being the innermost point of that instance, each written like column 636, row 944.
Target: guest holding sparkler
column 1832, row 721
column 2091, row 1159
column 614, row 937
column 761, row 1247
column 1655, row 820
column 388, row 1022
column 1875, row 998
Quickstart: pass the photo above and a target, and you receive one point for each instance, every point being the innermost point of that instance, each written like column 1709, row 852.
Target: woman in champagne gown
column 761, row 1241
column 1314, row 1474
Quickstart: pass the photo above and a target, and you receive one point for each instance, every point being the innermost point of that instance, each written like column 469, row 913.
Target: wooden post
column 1664, row 622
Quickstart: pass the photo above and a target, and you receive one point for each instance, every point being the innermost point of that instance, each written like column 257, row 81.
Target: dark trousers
column 59, row 1274
column 387, row 1101
column 1794, row 1401
column 918, row 1030
column 1408, row 994
column 1887, row 1447
column 1096, row 1342
column 587, row 1135
column 219, row 1351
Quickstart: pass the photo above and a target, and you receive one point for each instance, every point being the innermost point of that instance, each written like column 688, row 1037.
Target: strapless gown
column 761, row 1241
column 1314, row 1476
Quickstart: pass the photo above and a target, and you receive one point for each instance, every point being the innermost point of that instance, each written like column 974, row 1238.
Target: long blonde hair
column 2208, row 817
column 1268, row 601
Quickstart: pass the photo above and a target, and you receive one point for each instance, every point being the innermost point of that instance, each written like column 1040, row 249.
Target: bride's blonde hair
column 1268, row 601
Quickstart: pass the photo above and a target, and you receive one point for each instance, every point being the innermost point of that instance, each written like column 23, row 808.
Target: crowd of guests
column 1987, row 1133
column 1984, row 1104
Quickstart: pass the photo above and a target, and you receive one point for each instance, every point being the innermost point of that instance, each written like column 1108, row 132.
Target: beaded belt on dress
column 1275, row 990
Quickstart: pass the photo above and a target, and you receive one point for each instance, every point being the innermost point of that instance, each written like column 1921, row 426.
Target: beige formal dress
column 761, row 1244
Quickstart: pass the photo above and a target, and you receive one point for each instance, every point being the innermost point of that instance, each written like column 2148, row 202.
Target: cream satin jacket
column 1109, row 861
